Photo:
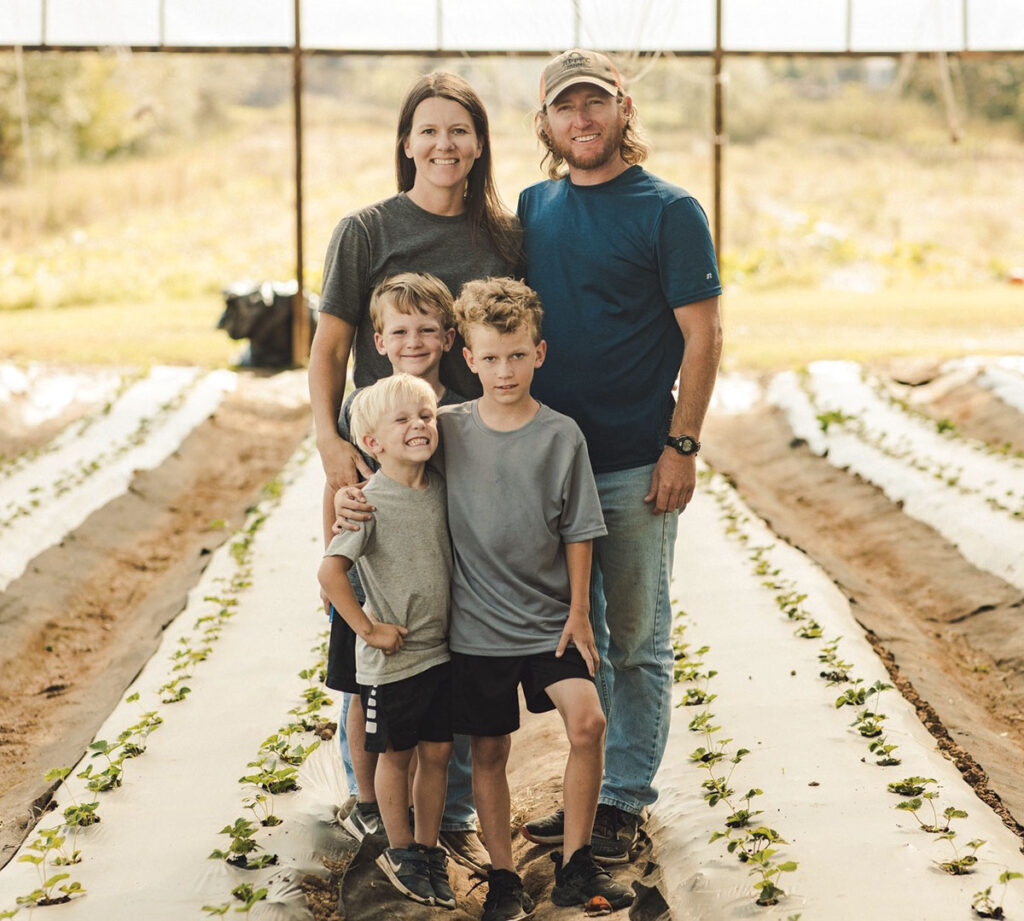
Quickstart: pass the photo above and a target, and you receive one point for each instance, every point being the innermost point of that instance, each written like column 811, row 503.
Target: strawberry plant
column 984, row 905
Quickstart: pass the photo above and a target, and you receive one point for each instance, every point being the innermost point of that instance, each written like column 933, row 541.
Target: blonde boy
column 402, row 660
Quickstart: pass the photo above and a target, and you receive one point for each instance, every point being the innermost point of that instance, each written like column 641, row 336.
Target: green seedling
column 248, row 896
column 48, row 841
column 242, row 846
column 261, row 806
column 270, row 777
column 910, row 786
column 914, row 805
column 985, row 906
column 960, row 866
column 884, row 750
column 832, row 417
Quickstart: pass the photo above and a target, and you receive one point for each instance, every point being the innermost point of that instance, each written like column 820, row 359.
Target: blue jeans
column 632, row 617
column 459, row 811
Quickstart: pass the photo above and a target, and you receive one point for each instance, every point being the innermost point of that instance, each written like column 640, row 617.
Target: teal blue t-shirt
column 611, row 262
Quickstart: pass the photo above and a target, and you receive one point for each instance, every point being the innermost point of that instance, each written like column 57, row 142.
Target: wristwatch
column 686, row 445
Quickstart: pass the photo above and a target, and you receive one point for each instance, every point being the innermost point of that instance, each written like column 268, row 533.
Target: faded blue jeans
column 632, row 617
column 459, row 811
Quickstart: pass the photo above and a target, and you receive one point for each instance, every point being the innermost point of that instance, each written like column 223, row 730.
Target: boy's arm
column 578, row 556
column 334, row 581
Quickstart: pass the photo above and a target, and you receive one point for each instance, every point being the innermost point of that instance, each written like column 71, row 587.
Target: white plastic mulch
column 858, row 857
column 972, row 496
column 93, row 461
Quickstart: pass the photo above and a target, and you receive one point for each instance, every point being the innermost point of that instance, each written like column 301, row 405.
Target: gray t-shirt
column 405, row 563
column 395, row 235
column 517, row 499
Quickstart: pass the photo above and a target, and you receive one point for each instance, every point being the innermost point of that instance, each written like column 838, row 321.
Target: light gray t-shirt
column 405, row 563
column 516, row 499
column 395, row 235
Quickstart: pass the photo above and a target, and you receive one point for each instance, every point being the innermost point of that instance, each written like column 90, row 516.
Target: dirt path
column 949, row 633
column 86, row 615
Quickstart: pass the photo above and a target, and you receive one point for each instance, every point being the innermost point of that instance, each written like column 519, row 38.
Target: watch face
column 684, row 444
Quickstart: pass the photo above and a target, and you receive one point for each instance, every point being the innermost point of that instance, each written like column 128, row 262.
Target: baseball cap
column 578, row 66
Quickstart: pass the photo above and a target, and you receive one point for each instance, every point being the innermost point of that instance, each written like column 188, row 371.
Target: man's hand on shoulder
column 672, row 482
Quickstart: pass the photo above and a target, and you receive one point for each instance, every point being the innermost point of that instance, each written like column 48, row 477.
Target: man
column 625, row 267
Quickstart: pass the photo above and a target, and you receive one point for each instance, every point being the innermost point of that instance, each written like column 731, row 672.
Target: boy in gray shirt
column 521, row 587
column 402, row 661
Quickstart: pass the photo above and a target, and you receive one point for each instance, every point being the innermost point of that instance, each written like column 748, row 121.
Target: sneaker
column 464, row 846
column 548, row 829
column 363, row 819
column 615, row 833
column 505, row 900
column 437, row 861
column 409, row 871
column 582, row 879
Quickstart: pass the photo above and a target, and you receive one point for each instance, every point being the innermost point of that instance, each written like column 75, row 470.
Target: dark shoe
column 437, row 861
column 464, row 846
column 548, row 829
column 363, row 819
column 615, row 833
column 582, row 879
column 409, row 871
column 505, row 900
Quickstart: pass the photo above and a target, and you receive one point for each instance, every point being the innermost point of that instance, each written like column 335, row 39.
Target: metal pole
column 718, row 129
column 300, row 317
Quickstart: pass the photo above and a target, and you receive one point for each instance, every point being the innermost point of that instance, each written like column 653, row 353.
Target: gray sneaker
column 615, row 834
column 437, row 860
column 409, row 871
column 363, row 819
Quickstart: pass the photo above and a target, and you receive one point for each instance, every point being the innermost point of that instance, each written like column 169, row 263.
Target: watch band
column 686, row 445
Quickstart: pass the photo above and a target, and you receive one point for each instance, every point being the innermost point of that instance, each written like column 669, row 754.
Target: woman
column 448, row 220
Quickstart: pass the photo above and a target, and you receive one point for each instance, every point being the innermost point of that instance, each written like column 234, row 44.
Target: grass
column 122, row 333
column 124, row 262
column 785, row 328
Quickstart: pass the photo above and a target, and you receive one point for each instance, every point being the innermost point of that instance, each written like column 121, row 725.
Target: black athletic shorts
column 415, row 709
column 485, row 688
column 341, row 655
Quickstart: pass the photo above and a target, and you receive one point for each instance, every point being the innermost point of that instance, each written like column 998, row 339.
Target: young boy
column 414, row 325
column 402, row 660
column 522, row 521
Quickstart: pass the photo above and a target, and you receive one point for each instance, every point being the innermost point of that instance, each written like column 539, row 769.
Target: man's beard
column 608, row 150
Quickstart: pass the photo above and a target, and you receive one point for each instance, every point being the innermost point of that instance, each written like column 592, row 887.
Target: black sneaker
column 548, row 829
column 615, row 833
column 505, row 900
column 437, row 861
column 409, row 871
column 581, row 879
column 363, row 819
